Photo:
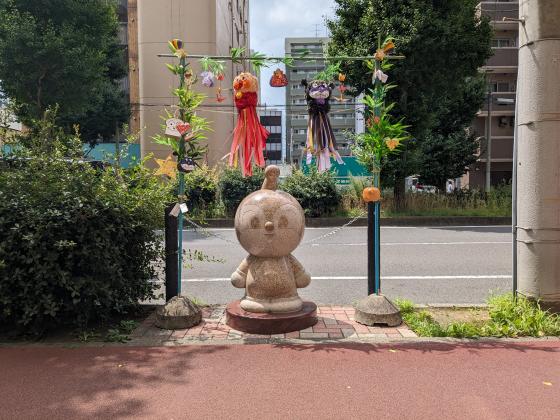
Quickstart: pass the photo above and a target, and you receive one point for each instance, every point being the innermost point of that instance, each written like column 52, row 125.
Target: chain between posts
column 205, row 232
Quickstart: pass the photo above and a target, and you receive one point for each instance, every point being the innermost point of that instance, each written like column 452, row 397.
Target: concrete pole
column 538, row 166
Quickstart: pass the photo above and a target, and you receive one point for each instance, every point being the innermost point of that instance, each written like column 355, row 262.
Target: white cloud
column 273, row 21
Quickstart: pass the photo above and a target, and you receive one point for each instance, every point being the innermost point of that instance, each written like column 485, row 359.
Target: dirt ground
column 446, row 316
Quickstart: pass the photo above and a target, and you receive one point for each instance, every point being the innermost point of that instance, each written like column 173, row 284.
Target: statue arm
column 239, row 278
column 301, row 276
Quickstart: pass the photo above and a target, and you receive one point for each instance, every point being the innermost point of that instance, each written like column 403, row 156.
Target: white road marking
column 489, row 276
column 416, row 243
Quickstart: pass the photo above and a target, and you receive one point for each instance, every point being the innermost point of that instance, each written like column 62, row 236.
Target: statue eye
column 255, row 222
column 283, row 222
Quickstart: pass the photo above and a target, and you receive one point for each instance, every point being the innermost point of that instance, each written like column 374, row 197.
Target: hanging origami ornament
column 219, row 96
column 278, row 79
column 380, row 53
column 341, row 87
column 177, row 47
column 171, row 127
column 249, row 136
column 166, row 167
column 321, row 141
column 392, row 143
column 381, row 76
column 186, row 165
column 207, row 78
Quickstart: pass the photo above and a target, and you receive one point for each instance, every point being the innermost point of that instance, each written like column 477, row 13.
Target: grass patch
column 505, row 318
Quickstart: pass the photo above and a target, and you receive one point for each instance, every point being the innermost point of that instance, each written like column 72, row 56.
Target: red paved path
column 427, row 381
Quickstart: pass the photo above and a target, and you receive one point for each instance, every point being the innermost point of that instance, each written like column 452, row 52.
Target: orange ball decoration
column 371, row 194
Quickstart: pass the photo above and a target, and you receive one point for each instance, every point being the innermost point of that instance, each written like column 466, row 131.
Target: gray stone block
column 377, row 309
column 177, row 314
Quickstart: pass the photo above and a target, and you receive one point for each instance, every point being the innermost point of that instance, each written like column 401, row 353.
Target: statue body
column 270, row 224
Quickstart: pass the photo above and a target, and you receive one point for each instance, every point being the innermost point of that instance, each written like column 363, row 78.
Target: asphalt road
column 433, row 265
column 481, row 380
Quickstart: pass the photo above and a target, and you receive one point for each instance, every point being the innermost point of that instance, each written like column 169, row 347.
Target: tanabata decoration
column 166, row 167
column 249, row 136
column 342, row 88
column 278, row 79
column 321, row 141
column 219, row 96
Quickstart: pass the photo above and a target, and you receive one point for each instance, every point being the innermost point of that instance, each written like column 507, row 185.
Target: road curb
column 386, row 221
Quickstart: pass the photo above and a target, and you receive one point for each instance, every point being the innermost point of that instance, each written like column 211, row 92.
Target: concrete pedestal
column 270, row 323
column 377, row 309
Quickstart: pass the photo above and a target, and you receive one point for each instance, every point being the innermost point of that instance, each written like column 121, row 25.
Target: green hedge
column 234, row 187
column 201, row 189
column 316, row 192
column 76, row 244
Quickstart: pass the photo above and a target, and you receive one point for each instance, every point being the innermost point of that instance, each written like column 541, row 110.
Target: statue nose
column 269, row 226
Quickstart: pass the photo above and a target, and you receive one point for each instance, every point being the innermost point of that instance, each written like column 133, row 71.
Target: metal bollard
column 171, row 249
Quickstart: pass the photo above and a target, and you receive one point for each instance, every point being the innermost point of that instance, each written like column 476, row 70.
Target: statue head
column 268, row 222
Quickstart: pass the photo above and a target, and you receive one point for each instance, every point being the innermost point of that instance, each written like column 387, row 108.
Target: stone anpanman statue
column 270, row 225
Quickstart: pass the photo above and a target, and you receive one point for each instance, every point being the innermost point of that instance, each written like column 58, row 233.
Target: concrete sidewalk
column 475, row 380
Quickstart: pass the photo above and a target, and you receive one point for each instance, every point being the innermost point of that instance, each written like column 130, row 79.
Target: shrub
column 233, row 187
column 201, row 187
column 76, row 244
column 316, row 192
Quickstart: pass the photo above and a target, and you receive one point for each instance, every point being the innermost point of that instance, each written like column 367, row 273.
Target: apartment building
column 342, row 114
column 210, row 27
column 272, row 121
column 501, row 72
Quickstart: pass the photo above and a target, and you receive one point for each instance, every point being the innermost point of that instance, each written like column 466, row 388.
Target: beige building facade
column 209, row 27
column 501, row 73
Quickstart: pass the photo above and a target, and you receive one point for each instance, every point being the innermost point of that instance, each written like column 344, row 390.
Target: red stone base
column 265, row 323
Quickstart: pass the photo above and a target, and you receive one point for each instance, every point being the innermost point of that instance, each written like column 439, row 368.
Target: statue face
column 269, row 223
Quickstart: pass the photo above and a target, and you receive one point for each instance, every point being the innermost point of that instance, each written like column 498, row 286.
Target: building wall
column 501, row 73
column 342, row 115
column 272, row 121
column 211, row 27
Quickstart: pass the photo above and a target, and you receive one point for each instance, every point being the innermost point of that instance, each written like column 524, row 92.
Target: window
column 501, row 87
column 502, row 42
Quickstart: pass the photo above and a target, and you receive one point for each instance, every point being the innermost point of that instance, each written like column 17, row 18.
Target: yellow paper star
column 167, row 167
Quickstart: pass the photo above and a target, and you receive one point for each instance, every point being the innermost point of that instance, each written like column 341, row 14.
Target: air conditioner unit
column 503, row 121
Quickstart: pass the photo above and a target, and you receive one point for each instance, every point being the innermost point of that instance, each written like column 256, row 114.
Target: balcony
column 497, row 11
column 504, row 60
column 497, row 107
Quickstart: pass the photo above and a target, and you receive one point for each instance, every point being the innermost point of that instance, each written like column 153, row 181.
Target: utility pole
column 489, row 142
column 538, row 149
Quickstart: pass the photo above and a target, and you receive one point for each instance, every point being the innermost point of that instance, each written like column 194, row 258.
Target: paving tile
column 336, row 335
column 369, row 335
column 293, row 334
column 277, row 336
column 349, row 333
column 406, row 333
column 314, row 335
column 178, row 333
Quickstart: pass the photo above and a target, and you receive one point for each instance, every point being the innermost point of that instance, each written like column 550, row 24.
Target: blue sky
column 272, row 21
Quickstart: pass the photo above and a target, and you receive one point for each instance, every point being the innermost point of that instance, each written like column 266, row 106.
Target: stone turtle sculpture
column 269, row 225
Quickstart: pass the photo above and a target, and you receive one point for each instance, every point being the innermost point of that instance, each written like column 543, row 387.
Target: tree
column 451, row 146
column 444, row 44
column 64, row 53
